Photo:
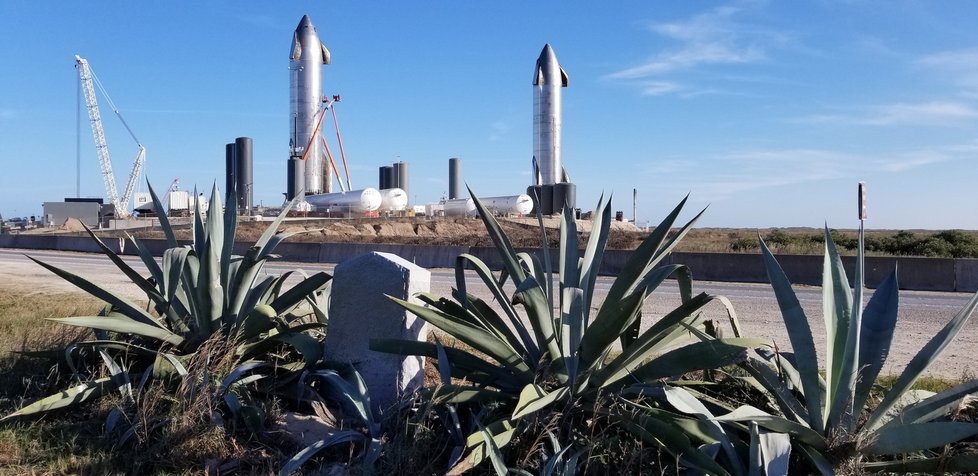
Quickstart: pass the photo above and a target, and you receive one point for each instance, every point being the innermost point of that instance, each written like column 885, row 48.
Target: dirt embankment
column 523, row 233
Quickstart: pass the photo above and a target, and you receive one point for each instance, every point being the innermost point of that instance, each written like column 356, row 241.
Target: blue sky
column 768, row 112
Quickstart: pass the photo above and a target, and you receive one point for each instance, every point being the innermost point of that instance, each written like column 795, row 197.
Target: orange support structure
column 339, row 139
column 329, row 155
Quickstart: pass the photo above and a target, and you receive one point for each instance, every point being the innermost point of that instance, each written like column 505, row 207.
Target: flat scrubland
column 523, row 232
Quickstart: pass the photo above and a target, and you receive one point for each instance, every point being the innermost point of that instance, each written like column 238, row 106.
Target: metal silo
column 243, row 173
column 401, row 178
column 454, row 177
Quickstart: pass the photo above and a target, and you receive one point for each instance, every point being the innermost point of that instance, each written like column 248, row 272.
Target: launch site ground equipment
column 88, row 82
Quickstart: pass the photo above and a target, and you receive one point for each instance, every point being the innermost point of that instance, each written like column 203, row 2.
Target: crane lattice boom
column 88, row 82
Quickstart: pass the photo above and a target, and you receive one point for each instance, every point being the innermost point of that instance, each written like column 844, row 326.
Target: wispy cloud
column 923, row 113
column 759, row 169
column 659, row 88
column 965, row 59
column 911, row 160
column 928, row 112
column 715, row 37
column 959, row 66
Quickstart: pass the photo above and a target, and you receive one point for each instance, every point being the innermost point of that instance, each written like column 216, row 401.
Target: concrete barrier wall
column 923, row 274
column 714, row 267
column 966, row 275
column 929, row 274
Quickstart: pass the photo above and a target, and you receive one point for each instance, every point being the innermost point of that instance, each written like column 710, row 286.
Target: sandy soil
column 523, row 232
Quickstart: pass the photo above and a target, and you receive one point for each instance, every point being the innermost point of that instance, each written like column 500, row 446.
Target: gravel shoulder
column 921, row 315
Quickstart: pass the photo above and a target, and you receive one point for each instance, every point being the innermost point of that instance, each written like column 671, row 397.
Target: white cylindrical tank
column 357, row 201
column 459, row 207
column 393, row 200
column 521, row 204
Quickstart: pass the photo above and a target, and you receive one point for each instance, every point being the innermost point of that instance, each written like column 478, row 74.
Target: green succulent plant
column 565, row 352
column 196, row 294
column 835, row 418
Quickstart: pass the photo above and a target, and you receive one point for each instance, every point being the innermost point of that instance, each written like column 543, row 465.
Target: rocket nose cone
column 306, row 22
column 543, row 72
column 547, row 53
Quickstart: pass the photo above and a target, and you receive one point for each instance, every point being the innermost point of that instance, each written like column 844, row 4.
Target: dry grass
column 174, row 433
column 22, row 318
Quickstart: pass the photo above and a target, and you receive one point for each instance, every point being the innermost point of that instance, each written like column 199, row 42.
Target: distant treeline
column 942, row 244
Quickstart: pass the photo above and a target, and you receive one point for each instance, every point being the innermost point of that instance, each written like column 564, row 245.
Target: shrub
column 830, row 420
column 220, row 340
column 541, row 378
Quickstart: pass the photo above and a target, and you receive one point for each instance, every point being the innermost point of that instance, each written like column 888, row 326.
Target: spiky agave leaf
column 189, row 296
column 296, row 462
column 927, row 354
column 801, row 338
column 71, row 396
column 878, row 325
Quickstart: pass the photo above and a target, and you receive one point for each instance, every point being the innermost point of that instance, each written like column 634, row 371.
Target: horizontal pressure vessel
column 358, row 201
column 521, row 204
column 393, row 200
column 459, row 207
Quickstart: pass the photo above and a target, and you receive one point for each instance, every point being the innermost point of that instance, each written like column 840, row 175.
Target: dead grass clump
column 22, row 317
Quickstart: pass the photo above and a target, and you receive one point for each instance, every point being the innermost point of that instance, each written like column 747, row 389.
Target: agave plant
column 835, row 418
column 561, row 353
column 196, row 294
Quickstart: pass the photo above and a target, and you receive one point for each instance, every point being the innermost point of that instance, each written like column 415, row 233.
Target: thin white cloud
column 960, row 67
column 966, row 148
column 923, row 113
column 713, row 38
column 748, row 170
column 690, row 57
column 928, row 113
column 966, row 59
column 911, row 160
column 659, row 88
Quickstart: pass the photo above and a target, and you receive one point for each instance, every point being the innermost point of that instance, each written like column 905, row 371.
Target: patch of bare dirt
column 437, row 232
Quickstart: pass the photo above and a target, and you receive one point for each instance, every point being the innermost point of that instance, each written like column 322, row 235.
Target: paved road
column 922, row 313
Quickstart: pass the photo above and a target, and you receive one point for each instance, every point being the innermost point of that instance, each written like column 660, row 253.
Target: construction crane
column 174, row 186
column 88, row 83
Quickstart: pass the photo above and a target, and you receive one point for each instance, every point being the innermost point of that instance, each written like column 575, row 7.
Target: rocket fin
column 564, row 80
column 326, row 55
column 563, row 175
column 538, row 74
column 296, row 52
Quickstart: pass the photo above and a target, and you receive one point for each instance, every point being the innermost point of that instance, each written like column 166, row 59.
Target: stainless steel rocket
column 551, row 189
column 548, row 79
column 307, row 175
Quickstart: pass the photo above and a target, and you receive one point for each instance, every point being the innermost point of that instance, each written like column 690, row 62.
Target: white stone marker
column 360, row 311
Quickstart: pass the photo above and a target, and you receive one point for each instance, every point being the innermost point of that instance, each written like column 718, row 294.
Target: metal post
column 635, row 206
column 78, row 145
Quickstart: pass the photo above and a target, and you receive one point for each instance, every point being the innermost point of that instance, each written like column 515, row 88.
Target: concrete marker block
column 360, row 311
